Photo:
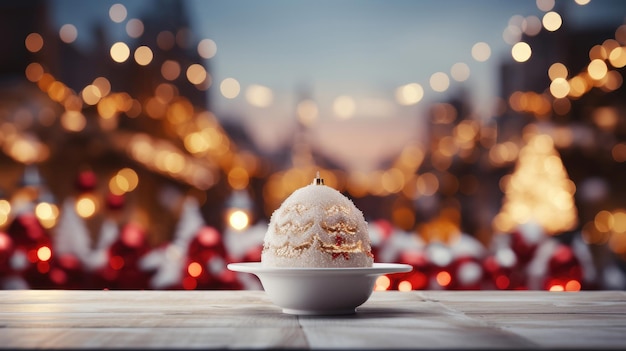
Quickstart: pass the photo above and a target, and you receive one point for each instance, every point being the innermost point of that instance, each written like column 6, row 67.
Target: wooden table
column 247, row 319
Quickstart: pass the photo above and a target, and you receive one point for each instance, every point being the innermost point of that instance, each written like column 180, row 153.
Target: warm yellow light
column 238, row 178
column 259, row 95
column 238, row 220
column 91, row 94
column 143, row 55
column 230, row 88
column 196, row 74
column 68, row 33
column 44, row 253
column 43, row 210
column 405, row 285
column 481, row 51
column 73, row 121
column 439, row 82
column 582, row 2
column 427, row 184
column 207, row 48
column 557, row 70
column 552, row 21
column 521, row 52
column 382, row 283
column 597, row 69
column 617, row 57
column 409, row 94
column 559, row 88
column 344, row 107
column 5, row 210
column 460, row 72
column 34, row 42
column 86, row 206
column 119, row 52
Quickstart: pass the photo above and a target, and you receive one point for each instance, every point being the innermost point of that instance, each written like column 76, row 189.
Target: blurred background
column 145, row 144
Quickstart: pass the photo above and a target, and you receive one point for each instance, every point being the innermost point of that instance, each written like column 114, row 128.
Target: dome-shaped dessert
column 316, row 226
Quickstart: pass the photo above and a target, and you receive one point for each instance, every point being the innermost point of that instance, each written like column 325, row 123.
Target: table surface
column 247, row 319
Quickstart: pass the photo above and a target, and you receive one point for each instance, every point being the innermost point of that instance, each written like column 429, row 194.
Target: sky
column 360, row 49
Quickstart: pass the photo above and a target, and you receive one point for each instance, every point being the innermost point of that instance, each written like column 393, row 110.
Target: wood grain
column 247, row 319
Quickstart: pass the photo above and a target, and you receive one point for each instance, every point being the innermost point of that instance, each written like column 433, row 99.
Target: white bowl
column 316, row 291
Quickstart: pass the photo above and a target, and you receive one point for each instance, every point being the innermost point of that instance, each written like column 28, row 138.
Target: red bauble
column 27, row 232
column 86, row 180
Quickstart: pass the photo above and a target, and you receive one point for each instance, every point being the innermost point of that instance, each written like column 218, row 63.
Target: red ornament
column 115, row 202
column 86, row 180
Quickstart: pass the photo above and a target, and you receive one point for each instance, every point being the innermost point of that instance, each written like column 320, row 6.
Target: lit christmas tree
column 539, row 190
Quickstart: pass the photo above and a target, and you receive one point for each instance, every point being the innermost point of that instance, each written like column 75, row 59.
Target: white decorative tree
column 170, row 260
column 72, row 235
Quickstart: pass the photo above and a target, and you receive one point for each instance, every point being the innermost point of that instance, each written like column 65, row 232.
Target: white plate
column 313, row 291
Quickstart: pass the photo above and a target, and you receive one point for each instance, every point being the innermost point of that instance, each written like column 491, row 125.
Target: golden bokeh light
column 582, row 2
column 103, row 85
column 405, row 286
column 238, row 220
column 557, row 70
column 34, row 42
column 34, row 71
column 521, row 51
column 230, row 88
column 143, row 55
column 73, row 121
column 86, row 206
column 238, row 178
column 344, row 107
column 120, row 52
column 5, row 211
column 409, row 94
column 439, row 82
column 259, row 95
column 47, row 214
column 617, row 57
column 552, row 21
column 597, row 69
column 481, row 51
column 68, row 33
column 559, row 88
column 196, row 74
column 382, row 283
column 91, row 94
column 44, row 253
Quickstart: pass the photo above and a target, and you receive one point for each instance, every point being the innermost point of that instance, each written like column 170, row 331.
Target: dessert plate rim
column 377, row 268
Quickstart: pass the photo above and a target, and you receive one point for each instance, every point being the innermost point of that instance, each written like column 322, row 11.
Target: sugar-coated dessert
column 317, row 226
